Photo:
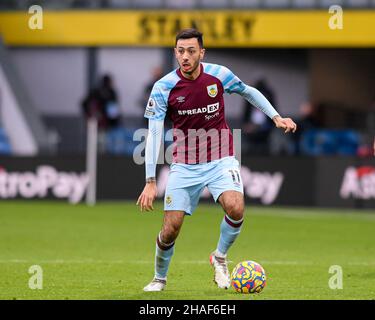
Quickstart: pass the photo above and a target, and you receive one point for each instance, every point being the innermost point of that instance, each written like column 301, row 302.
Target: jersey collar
column 179, row 73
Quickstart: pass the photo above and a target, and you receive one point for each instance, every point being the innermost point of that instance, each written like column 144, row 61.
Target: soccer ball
column 248, row 277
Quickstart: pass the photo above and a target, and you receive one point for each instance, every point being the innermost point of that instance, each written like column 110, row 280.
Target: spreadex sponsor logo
column 264, row 186
column 209, row 109
column 358, row 183
column 46, row 179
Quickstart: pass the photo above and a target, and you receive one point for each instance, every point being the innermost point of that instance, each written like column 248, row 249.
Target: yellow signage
column 228, row 28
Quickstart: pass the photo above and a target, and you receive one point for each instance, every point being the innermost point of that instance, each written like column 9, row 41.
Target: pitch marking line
column 88, row 261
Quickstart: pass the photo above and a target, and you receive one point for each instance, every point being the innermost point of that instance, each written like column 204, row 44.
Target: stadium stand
column 318, row 142
column 188, row 4
column 54, row 115
column 24, row 125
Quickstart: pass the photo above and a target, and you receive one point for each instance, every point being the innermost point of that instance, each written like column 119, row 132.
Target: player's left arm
column 257, row 99
column 232, row 84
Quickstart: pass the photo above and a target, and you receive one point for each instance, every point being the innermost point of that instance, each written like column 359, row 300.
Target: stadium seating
column 5, row 148
column 318, row 142
column 119, row 141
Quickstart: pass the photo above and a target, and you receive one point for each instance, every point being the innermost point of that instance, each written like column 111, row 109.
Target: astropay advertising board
column 358, row 183
column 345, row 182
column 325, row 182
column 35, row 178
column 65, row 178
column 45, row 179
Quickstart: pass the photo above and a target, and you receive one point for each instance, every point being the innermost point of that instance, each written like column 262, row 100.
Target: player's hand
column 285, row 123
column 147, row 196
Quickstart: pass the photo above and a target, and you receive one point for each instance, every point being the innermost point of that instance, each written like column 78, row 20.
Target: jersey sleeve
column 154, row 138
column 157, row 103
column 233, row 84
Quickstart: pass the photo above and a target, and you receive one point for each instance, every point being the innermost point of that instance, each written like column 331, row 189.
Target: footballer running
column 192, row 97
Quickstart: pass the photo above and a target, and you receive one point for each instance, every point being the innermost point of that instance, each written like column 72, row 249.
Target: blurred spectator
column 109, row 99
column 308, row 119
column 367, row 148
column 308, row 116
column 371, row 118
column 102, row 104
column 256, row 126
column 157, row 73
column 315, row 139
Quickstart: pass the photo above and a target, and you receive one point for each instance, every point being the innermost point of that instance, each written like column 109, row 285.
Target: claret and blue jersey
column 196, row 108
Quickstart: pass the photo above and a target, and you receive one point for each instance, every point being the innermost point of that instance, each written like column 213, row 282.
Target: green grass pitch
column 107, row 251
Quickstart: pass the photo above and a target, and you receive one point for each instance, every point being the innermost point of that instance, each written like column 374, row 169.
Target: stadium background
column 46, row 74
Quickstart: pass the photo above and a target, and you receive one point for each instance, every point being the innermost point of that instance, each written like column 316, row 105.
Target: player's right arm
column 155, row 112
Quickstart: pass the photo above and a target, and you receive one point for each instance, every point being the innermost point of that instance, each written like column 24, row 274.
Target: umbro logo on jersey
column 212, row 90
column 180, row 99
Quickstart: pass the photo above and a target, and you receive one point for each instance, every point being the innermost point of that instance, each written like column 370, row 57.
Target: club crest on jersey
column 168, row 200
column 212, row 90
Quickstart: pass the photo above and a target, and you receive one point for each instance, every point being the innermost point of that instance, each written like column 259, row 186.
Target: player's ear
column 203, row 51
column 175, row 52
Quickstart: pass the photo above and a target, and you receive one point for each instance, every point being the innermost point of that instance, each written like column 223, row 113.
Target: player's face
column 189, row 55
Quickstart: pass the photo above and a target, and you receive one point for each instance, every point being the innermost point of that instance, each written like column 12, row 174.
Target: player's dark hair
column 190, row 33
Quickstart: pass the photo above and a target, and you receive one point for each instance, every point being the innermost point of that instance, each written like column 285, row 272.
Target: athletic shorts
column 187, row 181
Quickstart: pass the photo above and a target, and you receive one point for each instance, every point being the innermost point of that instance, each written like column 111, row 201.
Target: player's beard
column 195, row 66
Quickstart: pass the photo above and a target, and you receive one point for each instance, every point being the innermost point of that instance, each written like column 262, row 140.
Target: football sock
column 163, row 255
column 229, row 231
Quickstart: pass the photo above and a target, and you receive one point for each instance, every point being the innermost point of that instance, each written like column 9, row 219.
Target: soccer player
column 192, row 96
